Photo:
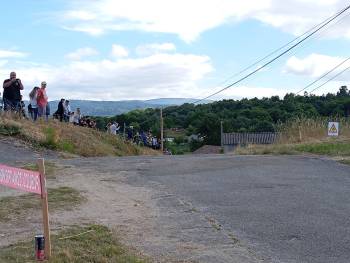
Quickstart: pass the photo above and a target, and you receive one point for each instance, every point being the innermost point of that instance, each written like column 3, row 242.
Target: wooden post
column 161, row 131
column 45, row 209
column 124, row 132
column 222, row 133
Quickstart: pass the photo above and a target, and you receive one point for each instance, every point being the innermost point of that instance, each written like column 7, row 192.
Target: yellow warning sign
column 333, row 129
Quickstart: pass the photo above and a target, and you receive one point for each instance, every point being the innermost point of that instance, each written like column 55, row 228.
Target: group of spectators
column 139, row 138
column 38, row 106
column 12, row 98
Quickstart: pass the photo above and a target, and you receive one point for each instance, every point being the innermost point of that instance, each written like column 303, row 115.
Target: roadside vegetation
column 304, row 135
column 76, row 245
column 67, row 138
column 16, row 207
column 245, row 115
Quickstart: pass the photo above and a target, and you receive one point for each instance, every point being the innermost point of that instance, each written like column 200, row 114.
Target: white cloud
column 159, row 75
column 11, row 54
column 189, row 19
column 314, row 65
column 81, row 53
column 81, row 15
column 119, row 51
column 155, row 48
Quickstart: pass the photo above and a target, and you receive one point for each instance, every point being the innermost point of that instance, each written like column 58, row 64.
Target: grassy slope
column 68, row 138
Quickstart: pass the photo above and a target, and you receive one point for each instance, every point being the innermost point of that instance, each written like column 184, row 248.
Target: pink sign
column 28, row 181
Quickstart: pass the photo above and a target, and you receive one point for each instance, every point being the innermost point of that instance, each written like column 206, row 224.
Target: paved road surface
column 283, row 209
column 239, row 208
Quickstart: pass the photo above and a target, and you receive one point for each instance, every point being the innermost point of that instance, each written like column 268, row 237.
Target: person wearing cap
column 12, row 93
column 42, row 100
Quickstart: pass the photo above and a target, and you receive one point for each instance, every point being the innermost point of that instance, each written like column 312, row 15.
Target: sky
column 135, row 49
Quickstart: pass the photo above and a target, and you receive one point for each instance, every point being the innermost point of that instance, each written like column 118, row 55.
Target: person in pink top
column 42, row 100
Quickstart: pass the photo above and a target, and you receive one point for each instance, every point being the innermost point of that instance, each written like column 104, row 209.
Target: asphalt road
column 284, row 209
column 237, row 208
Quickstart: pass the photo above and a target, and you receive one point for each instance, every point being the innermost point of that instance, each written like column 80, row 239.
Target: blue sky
column 115, row 50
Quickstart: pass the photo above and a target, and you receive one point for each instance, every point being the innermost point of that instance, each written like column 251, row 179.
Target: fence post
column 45, row 209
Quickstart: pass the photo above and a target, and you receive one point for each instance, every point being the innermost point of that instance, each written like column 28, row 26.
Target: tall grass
column 305, row 130
column 68, row 138
column 303, row 135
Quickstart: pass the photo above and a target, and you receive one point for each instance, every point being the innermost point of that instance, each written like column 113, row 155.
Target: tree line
column 245, row 115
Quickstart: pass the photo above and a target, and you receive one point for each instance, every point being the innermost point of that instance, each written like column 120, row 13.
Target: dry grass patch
column 304, row 130
column 305, row 136
column 68, row 138
column 76, row 245
column 16, row 207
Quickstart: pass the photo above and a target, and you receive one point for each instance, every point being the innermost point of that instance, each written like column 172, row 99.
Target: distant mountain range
column 111, row 108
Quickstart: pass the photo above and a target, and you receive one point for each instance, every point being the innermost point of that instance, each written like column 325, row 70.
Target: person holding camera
column 12, row 93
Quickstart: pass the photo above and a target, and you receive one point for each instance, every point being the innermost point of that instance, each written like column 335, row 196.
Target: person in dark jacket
column 60, row 110
column 12, row 93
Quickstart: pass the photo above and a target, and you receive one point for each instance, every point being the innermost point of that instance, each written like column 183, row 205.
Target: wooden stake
column 45, row 208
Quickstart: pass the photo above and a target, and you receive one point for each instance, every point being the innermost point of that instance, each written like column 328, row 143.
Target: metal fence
column 249, row 138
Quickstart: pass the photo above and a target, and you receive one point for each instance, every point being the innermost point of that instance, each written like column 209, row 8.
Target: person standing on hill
column 114, row 128
column 12, row 93
column 77, row 117
column 60, row 110
column 33, row 104
column 67, row 110
column 42, row 100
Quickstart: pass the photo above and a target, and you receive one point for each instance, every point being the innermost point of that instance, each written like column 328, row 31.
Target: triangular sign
column 333, row 129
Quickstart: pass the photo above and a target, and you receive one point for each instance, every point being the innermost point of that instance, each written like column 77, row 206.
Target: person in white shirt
column 77, row 117
column 33, row 106
column 114, row 128
column 67, row 111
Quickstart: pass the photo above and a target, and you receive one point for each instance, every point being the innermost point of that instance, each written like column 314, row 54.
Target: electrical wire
column 324, row 75
column 334, row 77
column 279, row 56
column 278, row 49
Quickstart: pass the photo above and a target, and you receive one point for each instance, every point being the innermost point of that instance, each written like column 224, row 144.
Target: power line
column 324, row 75
column 337, row 75
column 280, row 55
column 278, row 49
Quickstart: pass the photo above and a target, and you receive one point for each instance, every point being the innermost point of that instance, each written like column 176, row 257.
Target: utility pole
column 222, row 134
column 161, row 131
